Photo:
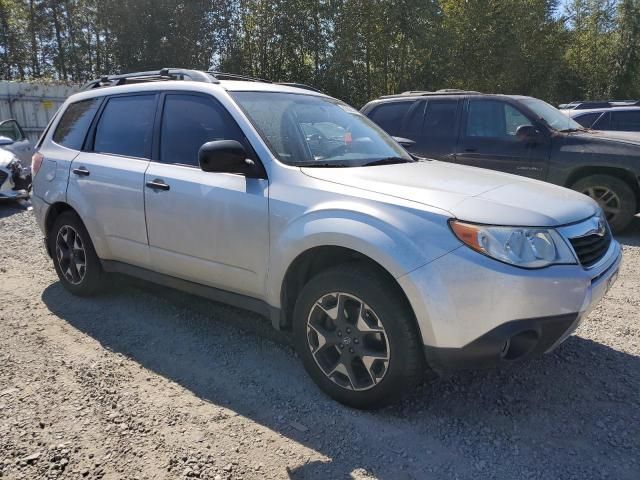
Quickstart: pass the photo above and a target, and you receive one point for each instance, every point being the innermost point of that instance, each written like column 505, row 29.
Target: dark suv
column 520, row 135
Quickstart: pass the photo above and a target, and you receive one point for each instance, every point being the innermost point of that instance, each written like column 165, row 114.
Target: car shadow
column 631, row 235
column 532, row 419
column 11, row 207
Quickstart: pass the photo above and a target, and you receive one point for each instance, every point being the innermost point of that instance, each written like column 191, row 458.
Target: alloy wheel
column 71, row 255
column 348, row 341
column 607, row 199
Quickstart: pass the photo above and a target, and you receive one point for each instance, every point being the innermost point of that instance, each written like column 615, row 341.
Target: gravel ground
column 148, row 383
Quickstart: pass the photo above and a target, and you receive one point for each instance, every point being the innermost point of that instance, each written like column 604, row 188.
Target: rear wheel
column 74, row 257
column 615, row 197
column 357, row 337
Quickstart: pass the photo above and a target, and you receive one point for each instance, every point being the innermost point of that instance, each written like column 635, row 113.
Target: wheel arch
column 315, row 260
column 53, row 212
column 623, row 174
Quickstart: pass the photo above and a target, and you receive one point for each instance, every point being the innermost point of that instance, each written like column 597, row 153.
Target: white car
column 15, row 180
column 293, row 204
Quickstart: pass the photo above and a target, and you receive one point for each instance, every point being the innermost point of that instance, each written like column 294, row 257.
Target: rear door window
column 74, row 123
column 188, row 122
column 440, row 119
column 390, row 115
column 126, row 126
column 628, row 121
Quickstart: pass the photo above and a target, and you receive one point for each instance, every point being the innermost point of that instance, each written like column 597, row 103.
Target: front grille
column 591, row 248
column 3, row 177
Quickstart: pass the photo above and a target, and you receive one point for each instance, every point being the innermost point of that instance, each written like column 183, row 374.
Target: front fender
column 398, row 239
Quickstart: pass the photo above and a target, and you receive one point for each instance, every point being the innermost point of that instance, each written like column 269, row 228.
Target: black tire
column 92, row 279
column 619, row 205
column 405, row 365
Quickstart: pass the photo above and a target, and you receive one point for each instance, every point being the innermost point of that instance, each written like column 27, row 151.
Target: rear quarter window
column 74, row 123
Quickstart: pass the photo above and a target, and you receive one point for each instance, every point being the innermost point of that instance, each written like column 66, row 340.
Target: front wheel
column 614, row 196
column 357, row 337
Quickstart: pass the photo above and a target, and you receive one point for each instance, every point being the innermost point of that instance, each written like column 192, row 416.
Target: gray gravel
column 148, row 383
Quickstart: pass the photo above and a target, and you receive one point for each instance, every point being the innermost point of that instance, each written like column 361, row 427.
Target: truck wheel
column 615, row 197
column 357, row 337
column 74, row 257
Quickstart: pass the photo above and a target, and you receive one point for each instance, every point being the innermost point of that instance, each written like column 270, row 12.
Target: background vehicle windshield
column 551, row 115
column 306, row 130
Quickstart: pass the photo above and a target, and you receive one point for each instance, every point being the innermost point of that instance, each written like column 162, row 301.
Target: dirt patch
column 148, row 383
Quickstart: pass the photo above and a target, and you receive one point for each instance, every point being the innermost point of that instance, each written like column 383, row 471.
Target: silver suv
column 290, row 203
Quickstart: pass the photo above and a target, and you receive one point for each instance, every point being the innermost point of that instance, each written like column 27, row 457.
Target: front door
column 207, row 227
column 489, row 140
column 20, row 146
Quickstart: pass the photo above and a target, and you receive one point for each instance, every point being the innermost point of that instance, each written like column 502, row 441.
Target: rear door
column 433, row 125
column 107, row 179
column 21, row 146
column 390, row 116
column 489, row 140
column 208, row 227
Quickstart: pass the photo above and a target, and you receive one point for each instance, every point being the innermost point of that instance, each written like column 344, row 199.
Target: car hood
column 468, row 193
column 6, row 157
column 626, row 137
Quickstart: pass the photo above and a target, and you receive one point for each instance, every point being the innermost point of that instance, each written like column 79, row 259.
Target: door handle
column 158, row 184
column 471, row 149
column 81, row 171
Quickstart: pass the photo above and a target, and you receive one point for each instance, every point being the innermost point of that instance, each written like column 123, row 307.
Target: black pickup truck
column 520, row 135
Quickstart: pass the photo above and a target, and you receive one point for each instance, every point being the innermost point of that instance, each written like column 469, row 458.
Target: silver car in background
column 620, row 119
column 290, row 203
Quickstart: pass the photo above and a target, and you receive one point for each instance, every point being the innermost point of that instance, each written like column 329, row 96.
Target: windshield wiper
column 571, row 130
column 321, row 165
column 389, row 161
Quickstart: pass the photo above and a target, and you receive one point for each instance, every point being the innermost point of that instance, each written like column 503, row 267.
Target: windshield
column 311, row 131
column 553, row 117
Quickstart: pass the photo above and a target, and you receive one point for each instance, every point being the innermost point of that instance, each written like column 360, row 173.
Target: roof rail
column 150, row 76
column 299, row 85
column 587, row 105
column 426, row 93
column 584, row 105
column 235, row 76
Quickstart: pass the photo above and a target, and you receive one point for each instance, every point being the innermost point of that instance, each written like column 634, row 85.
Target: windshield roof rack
column 163, row 74
column 235, row 76
column 299, row 85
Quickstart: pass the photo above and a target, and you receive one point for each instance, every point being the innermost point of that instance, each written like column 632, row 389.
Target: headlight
column 520, row 246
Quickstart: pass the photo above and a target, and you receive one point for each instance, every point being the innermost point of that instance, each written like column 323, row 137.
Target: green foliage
column 353, row 49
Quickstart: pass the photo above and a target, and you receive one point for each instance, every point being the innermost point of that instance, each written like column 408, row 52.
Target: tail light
column 36, row 163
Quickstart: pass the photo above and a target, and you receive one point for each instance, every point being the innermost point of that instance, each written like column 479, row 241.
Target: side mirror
column 226, row 156
column 4, row 141
column 527, row 133
column 405, row 142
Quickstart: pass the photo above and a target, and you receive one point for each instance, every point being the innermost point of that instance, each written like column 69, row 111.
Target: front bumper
column 474, row 311
column 14, row 195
